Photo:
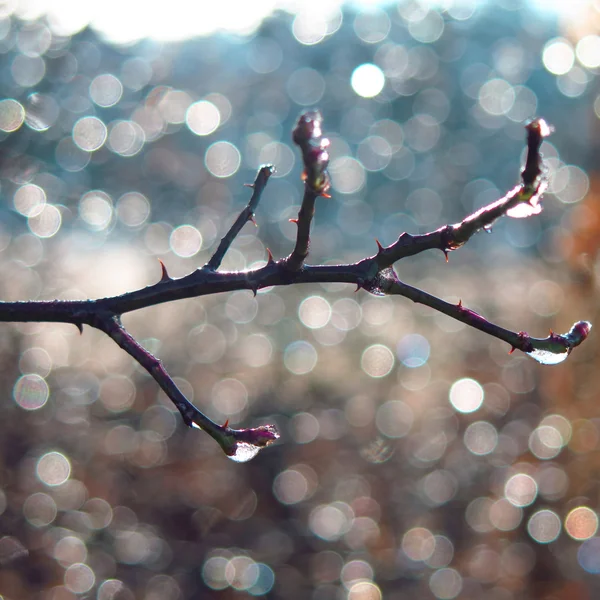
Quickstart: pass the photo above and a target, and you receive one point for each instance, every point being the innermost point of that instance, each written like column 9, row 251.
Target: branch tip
column 262, row 177
column 537, row 130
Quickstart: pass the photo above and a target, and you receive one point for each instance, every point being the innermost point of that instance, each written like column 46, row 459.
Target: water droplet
column 546, row 357
column 244, row 452
column 376, row 291
column 381, row 282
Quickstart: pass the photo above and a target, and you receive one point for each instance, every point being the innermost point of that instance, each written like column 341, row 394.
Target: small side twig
column 309, row 137
column 239, row 444
column 262, row 177
column 521, row 201
column 550, row 350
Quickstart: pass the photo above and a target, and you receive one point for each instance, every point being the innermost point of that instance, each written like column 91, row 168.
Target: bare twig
column 264, row 173
column 375, row 274
column 308, row 135
column 551, row 350
column 521, row 201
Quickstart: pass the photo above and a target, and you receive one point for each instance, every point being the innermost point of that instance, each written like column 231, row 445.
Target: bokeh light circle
column 521, row 490
column 53, row 469
column 202, row 118
column 300, row 357
column 222, row 159
column 544, row 526
column 377, row 361
column 31, row 391
column 367, row 80
column 581, row 523
column 445, row 584
column 466, row 395
column 89, row 134
column 12, row 115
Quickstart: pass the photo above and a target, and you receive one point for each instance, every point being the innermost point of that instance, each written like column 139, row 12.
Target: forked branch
column 375, row 274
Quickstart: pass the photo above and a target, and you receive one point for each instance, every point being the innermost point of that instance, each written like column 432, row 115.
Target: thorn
column 445, row 254
column 252, row 220
column 459, row 305
column 226, row 424
column 250, row 185
column 293, row 221
column 164, row 274
column 523, row 336
column 359, row 284
column 379, row 246
column 269, row 257
column 80, row 327
column 325, row 195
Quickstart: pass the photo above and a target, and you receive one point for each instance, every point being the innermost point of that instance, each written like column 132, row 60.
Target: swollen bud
column 308, row 134
column 308, row 127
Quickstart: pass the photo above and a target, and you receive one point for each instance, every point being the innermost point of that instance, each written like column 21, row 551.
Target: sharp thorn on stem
column 164, row 273
column 293, row 221
column 270, row 260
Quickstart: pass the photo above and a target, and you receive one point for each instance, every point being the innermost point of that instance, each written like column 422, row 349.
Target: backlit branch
column 375, row 274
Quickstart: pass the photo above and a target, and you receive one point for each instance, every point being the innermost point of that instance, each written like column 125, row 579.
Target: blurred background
column 418, row 459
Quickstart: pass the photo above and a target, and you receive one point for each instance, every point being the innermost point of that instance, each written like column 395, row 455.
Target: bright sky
column 125, row 21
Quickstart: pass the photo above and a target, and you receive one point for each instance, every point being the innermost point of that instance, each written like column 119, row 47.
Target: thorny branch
column 375, row 274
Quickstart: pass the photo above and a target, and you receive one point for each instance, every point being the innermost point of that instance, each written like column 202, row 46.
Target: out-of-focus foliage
column 418, row 459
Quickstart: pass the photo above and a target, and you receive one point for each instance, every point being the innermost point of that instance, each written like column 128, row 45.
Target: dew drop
column 381, row 282
column 376, row 291
column 244, row 452
column 548, row 358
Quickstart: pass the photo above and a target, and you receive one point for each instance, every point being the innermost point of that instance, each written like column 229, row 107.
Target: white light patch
column 126, row 22
column 367, row 80
column 558, row 56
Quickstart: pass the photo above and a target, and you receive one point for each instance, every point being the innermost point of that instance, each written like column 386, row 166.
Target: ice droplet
column 376, row 291
column 378, row 285
column 244, row 452
column 524, row 210
column 546, row 357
